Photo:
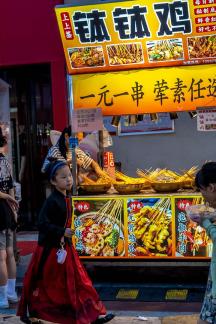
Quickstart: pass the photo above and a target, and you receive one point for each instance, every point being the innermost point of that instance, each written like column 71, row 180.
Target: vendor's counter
column 140, row 226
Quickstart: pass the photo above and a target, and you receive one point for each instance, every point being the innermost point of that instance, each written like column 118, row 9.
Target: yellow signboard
column 129, row 34
column 147, row 91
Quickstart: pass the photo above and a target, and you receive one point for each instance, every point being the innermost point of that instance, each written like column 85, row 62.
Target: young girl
column 59, row 292
column 206, row 182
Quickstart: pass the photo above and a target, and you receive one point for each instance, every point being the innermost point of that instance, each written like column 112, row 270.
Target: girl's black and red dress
column 60, row 293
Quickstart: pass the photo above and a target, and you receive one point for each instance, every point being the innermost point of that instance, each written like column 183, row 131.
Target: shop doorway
column 30, row 124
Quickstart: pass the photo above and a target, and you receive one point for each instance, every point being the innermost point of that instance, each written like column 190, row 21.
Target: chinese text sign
column 147, row 90
column 126, row 35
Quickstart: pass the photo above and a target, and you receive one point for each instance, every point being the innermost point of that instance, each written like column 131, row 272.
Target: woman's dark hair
column 206, row 175
column 61, row 141
column 3, row 139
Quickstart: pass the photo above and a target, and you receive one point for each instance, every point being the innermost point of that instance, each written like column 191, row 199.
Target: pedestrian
column 206, row 182
column 8, row 208
column 62, row 151
column 56, row 285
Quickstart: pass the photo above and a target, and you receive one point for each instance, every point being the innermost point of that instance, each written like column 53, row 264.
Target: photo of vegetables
column 81, row 57
column 191, row 239
column 165, row 50
column 150, row 227
column 100, row 230
column 202, row 47
column 125, row 54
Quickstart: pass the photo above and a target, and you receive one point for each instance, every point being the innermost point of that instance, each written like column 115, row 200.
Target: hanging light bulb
column 132, row 120
column 126, row 120
column 154, row 117
column 140, row 117
column 192, row 114
column 173, row 115
column 115, row 121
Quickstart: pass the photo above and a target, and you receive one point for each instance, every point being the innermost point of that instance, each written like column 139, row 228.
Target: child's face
column 63, row 179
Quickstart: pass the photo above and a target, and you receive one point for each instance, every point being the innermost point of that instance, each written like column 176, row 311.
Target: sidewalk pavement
column 180, row 313
column 179, row 319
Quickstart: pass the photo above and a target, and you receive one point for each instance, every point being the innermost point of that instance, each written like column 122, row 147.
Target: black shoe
column 104, row 319
column 25, row 319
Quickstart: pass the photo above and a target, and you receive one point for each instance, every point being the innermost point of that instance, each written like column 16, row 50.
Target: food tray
column 166, row 186
column 125, row 188
column 96, row 188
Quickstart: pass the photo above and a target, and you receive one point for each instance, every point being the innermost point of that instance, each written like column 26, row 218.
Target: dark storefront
column 32, row 63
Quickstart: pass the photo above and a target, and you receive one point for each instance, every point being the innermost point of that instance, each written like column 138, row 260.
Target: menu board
column 191, row 239
column 127, row 35
column 138, row 227
column 149, row 227
column 99, row 227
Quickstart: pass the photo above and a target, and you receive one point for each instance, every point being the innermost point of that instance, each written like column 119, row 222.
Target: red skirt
column 65, row 293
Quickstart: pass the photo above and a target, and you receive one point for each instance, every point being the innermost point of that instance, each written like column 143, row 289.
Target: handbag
column 62, row 253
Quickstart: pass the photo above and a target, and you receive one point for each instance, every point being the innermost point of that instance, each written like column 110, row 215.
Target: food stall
column 137, row 59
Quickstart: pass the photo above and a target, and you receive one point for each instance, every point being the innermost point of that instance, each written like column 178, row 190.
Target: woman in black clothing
column 8, row 206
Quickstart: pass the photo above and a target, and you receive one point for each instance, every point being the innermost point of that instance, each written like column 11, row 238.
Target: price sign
column 87, row 120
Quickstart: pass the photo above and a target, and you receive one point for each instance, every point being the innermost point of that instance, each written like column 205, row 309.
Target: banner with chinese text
column 126, row 35
column 146, row 91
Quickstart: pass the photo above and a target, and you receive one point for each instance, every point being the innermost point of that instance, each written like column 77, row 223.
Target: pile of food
column 165, row 50
column 194, row 212
column 153, row 230
column 101, row 233
column 86, row 56
column 126, row 185
column 202, row 47
column 125, row 54
column 164, row 180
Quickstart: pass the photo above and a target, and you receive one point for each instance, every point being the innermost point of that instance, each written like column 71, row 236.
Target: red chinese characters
column 82, row 206
column 204, row 2
column 136, row 206
column 205, row 20
column 108, row 160
column 205, row 10
column 206, row 29
column 65, row 18
column 183, row 204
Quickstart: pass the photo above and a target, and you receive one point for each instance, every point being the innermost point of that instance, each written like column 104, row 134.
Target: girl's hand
column 69, row 232
column 12, row 202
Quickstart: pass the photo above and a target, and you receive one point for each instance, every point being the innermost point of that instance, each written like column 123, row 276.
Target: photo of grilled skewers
column 125, row 54
column 81, row 57
column 165, row 50
column 202, row 47
column 149, row 229
column 100, row 231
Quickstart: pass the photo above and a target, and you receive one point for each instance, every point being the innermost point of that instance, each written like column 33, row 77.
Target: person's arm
column 85, row 162
column 95, row 166
column 10, row 199
column 45, row 225
column 210, row 228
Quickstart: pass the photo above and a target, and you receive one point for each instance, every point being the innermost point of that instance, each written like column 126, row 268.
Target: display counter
column 140, row 226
